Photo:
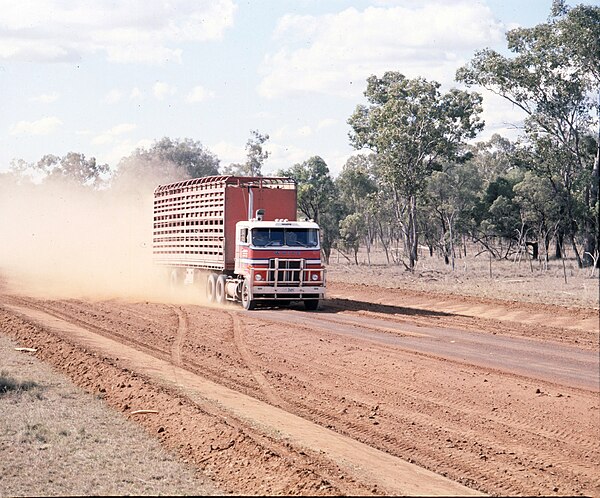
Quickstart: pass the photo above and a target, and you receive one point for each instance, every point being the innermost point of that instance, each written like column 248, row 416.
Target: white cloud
column 149, row 54
column 284, row 156
column 335, row 53
column 109, row 136
column 228, row 153
column 286, row 132
column 113, row 96
column 136, row 94
column 162, row 89
column 44, row 126
column 326, row 123
column 199, row 94
column 46, row 98
column 304, row 131
column 132, row 31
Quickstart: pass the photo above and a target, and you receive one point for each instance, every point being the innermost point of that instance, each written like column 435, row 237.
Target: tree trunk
column 412, row 241
column 444, row 241
column 559, row 244
column 451, row 241
column 592, row 237
column 576, row 251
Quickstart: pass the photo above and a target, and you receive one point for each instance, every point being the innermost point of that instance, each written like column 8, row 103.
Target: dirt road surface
column 382, row 391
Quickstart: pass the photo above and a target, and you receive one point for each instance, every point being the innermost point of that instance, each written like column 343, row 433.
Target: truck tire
column 311, row 304
column 220, row 296
column 247, row 302
column 211, row 287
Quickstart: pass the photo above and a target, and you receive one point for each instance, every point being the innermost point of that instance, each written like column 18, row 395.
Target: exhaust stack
column 250, row 203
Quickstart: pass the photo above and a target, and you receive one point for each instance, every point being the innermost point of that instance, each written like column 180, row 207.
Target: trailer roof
column 238, row 181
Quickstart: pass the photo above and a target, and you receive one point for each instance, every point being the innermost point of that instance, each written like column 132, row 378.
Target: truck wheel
column 211, row 286
column 247, row 303
column 220, row 289
column 311, row 304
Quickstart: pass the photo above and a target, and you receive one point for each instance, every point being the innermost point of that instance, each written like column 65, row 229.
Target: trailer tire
column 211, row 286
column 220, row 296
column 247, row 302
column 311, row 304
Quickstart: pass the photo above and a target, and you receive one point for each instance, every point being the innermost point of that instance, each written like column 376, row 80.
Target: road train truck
column 238, row 237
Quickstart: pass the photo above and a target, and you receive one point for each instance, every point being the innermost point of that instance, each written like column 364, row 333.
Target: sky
column 103, row 78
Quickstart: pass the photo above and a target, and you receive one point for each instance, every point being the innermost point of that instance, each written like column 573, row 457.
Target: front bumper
column 292, row 293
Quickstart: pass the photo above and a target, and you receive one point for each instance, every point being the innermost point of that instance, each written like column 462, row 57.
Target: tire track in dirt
column 408, row 395
column 549, row 362
column 266, row 387
column 375, row 465
column 422, row 454
column 533, row 430
column 429, row 416
column 456, row 415
column 428, row 459
column 223, row 445
column 62, row 314
column 182, row 328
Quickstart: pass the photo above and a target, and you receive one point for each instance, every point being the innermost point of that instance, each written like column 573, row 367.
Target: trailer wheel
column 311, row 304
column 220, row 297
column 247, row 302
column 211, row 286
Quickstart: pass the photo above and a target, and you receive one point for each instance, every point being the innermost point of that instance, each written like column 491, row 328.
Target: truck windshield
column 290, row 237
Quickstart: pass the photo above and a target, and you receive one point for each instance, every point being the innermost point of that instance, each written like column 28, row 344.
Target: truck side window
column 244, row 235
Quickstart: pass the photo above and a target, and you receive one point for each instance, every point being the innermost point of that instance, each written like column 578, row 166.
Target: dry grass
column 56, row 440
column 511, row 280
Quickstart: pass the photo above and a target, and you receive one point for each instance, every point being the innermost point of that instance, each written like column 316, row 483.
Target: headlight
column 258, row 277
column 315, row 276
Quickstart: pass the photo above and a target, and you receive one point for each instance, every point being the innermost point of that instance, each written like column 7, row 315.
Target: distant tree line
column 417, row 178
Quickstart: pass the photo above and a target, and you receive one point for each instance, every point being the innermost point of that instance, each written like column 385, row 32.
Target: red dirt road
column 381, row 392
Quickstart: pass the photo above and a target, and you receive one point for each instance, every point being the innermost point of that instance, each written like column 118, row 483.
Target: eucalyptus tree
column 497, row 216
column 166, row 161
column 493, row 158
column 352, row 231
column 72, row 168
column 453, row 195
column 540, row 210
column 411, row 126
column 187, row 157
column 554, row 77
column 357, row 185
column 317, row 198
column 256, row 156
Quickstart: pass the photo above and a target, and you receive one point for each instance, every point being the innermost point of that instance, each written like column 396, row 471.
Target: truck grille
column 286, row 272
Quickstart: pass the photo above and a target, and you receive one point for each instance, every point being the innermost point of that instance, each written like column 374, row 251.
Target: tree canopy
column 554, row 77
column 255, row 157
column 411, row 126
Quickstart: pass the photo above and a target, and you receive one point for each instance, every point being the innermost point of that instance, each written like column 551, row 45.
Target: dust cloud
column 62, row 240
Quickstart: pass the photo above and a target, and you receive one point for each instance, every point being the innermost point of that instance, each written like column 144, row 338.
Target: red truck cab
column 280, row 260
